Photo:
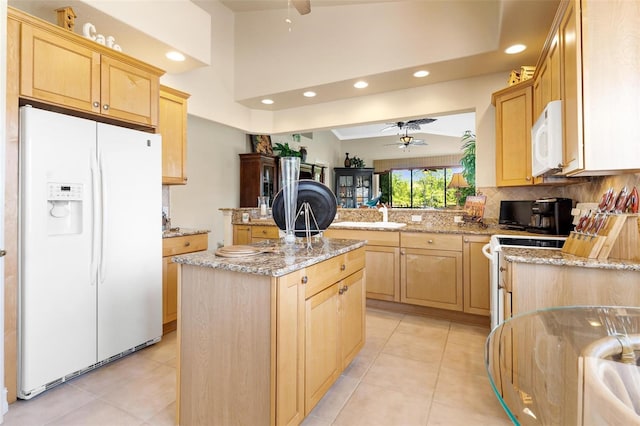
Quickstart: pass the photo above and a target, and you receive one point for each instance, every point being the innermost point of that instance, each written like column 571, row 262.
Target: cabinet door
column 128, row 93
column 172, row 125
column 476, row 276
column 571, row 77
column 514, row 110
column 169, row 290
column 383, row 273
column 290, row 317
column 431, row 278
column 352, row 316
column 322, row 359
column 241, row 234
column 59, row 71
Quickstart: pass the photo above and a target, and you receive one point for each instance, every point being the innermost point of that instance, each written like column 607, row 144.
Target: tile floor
column 412, row 371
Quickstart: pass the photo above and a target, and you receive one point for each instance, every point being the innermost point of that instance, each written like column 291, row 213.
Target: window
column 420, row 188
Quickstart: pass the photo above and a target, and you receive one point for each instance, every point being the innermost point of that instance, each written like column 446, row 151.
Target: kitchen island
column 262, row 338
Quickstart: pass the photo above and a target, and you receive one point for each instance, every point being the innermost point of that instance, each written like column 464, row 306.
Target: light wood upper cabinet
column 546, row 86
column 45, row 62
column 598, row 63
column 514, row 119
column 172, row 126
column 61, row 68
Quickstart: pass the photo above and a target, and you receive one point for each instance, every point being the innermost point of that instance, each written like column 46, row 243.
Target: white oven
column 492, row 252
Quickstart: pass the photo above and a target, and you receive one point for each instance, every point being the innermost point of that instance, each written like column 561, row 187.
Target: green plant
column 357, row 162
column 468, row 162
column 285, row 150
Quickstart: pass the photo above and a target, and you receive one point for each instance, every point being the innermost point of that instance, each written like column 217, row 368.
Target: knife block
column 619, row 239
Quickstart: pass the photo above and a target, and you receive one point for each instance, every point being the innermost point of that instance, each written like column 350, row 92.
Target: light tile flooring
column 412, row 371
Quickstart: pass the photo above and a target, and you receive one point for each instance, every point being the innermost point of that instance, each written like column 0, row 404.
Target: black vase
column 347, row 161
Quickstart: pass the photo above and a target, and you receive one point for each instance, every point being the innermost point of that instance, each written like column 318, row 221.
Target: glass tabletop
column 568, row 366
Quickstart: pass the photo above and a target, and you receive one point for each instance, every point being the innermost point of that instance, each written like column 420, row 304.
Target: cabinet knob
column 503, row 269
column 345, row 288
column 105, row 107
column 96, row 104
column 187, row 244
column 341, row 290
column 528, row 178
column 430, row 241
column 304, row 279
column 466, row 240
column 343, row 267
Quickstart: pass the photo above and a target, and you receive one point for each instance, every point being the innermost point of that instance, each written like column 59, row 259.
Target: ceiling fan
column 407, row 141
column 409, row 125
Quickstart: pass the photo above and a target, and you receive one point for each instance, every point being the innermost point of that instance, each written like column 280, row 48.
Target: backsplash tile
column 589, row 191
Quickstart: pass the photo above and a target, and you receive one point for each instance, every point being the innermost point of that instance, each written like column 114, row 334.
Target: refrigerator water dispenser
column 65, row 208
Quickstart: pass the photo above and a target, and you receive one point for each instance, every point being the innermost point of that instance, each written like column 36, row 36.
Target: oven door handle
column 486, row 250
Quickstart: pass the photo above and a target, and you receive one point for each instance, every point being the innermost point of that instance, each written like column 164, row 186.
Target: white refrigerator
column 90, row 246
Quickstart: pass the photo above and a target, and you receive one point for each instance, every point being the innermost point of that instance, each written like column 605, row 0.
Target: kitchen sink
column 378, row 225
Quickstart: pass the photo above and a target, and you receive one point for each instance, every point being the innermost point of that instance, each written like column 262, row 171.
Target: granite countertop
column 281, row 262
column 556, row 257
column 181, row 232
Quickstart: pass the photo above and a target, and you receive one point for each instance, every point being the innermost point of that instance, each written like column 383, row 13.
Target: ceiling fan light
column 406, row 139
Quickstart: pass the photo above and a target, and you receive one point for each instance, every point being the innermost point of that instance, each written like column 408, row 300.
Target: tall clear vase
column 289, row 175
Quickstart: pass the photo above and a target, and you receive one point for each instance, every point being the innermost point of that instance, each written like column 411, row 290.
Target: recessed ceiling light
column 360, row 84
column 267, row 101
column 309, row 94
column 516, row 48
column 175, row 56
column 421, row 73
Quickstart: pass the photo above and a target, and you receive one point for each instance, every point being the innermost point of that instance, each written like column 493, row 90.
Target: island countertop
column 283, row 260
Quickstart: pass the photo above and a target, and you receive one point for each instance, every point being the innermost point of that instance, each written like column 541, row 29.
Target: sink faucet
column 385, row 213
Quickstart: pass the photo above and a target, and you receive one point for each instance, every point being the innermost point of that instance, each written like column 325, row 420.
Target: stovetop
column 537, row 242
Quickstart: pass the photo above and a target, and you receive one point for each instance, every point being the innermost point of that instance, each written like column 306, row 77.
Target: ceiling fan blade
column 392, row 126
column 422, row 121
column 302, row 6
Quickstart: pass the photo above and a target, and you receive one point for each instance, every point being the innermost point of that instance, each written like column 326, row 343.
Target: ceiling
column 502, row 22
column 453, row 125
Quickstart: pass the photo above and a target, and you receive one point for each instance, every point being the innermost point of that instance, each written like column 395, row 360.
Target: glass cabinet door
column 267, row 178
column 353, row 186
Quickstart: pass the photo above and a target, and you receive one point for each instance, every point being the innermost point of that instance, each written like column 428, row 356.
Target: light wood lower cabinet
column 334, row 334
column 382, row 259
column 287, row 340
column 431, row 270
column 172, row 247
column 247, row 234
column 475, row 275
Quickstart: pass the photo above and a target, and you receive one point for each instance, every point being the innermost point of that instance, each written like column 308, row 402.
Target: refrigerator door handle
column 103, row 220
column 95, row 220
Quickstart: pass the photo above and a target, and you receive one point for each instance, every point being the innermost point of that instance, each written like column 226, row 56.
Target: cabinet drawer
column 186, row 244
column 324, row 274
column 431, row 241
column 270, row 232
column 373, row 238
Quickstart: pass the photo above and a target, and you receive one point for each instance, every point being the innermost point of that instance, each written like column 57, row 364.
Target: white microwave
column 546, row 141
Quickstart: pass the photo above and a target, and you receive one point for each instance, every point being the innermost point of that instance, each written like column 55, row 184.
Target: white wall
column 213, row 171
